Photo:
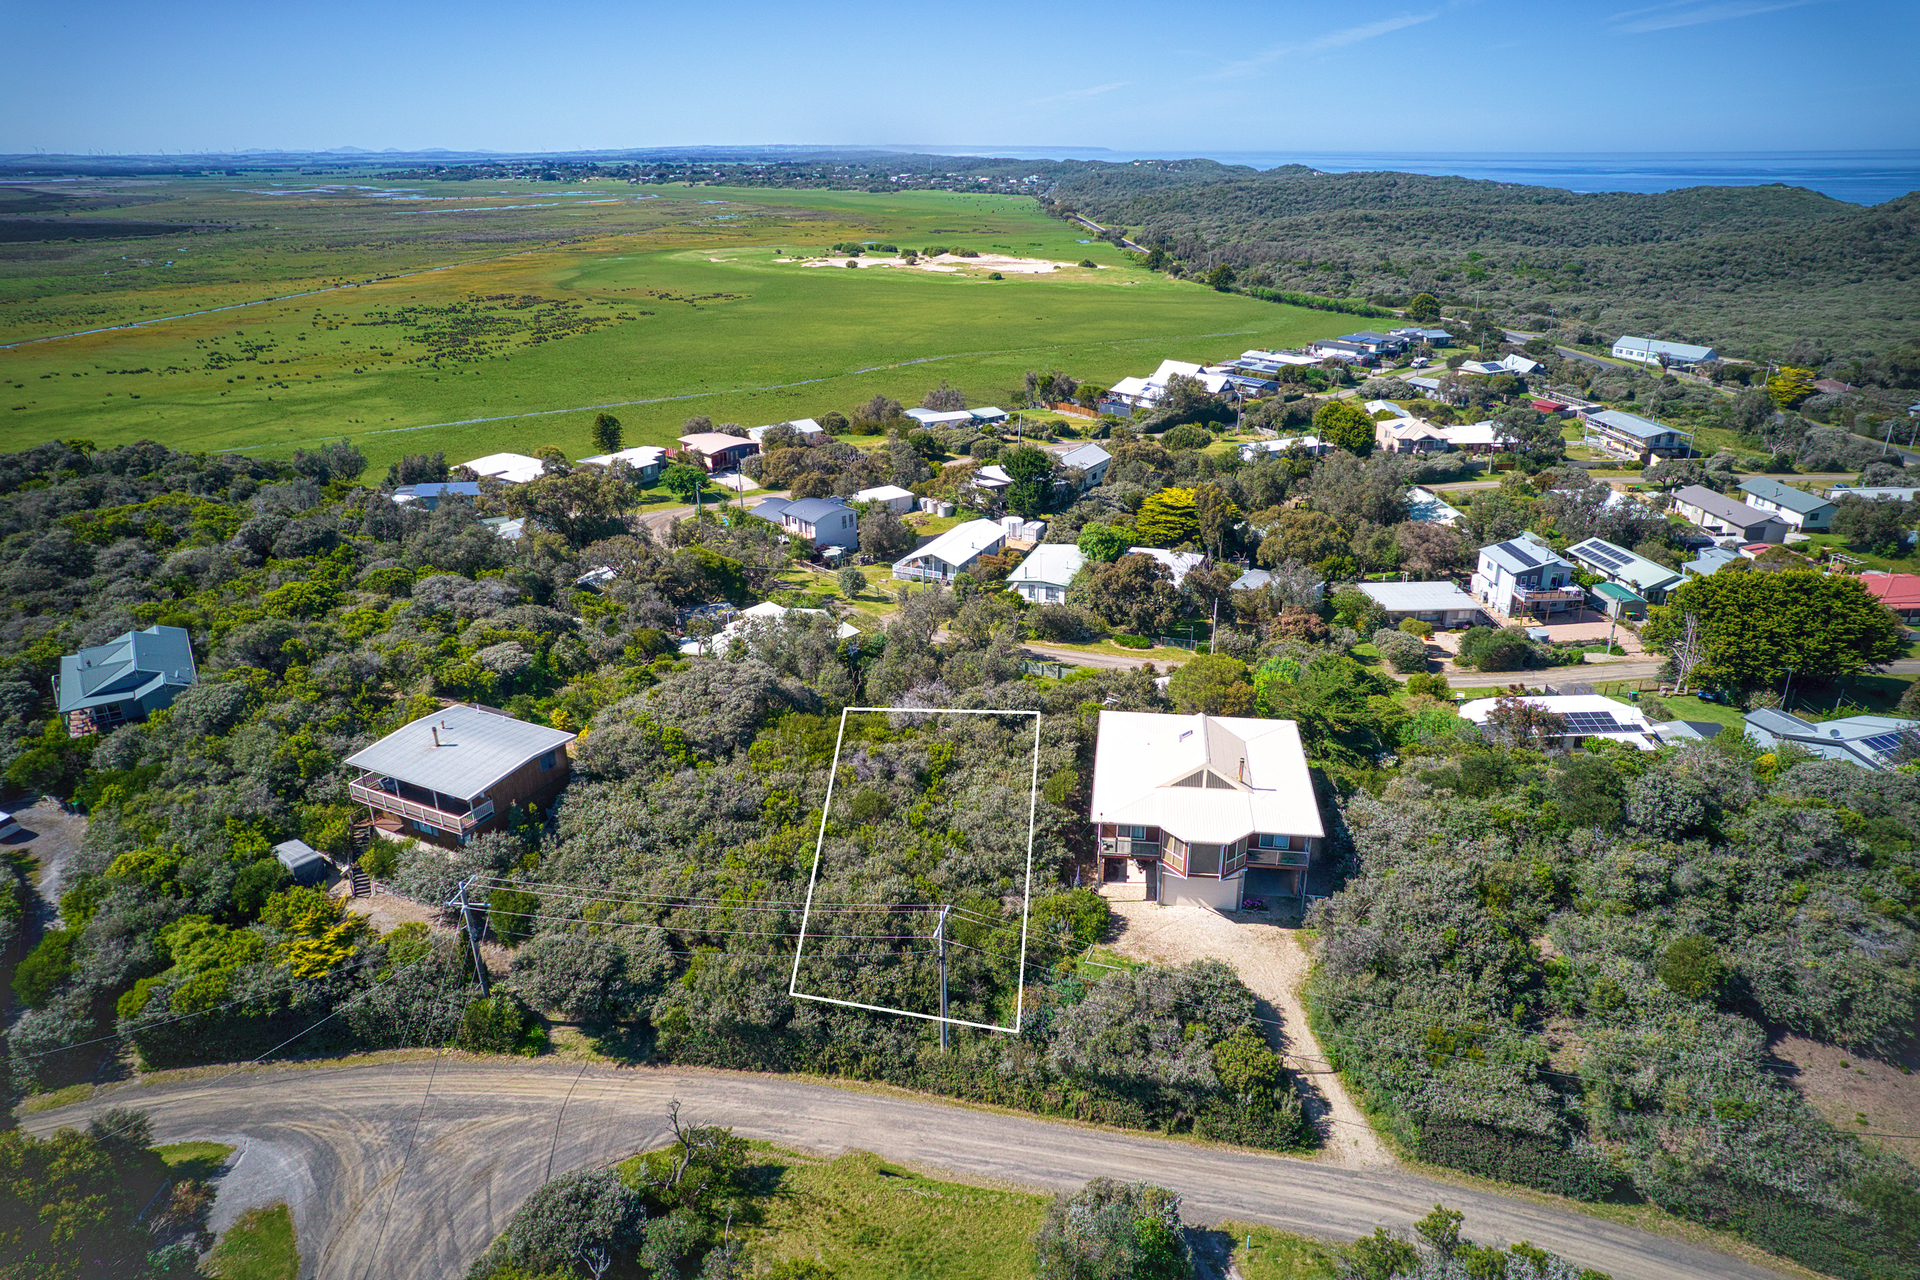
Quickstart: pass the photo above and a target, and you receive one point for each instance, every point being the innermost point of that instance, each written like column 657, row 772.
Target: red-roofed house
column 1549, row 407
column 1900, row 592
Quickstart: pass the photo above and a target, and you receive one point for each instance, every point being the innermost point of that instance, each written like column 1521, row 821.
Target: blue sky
column 1450, row 75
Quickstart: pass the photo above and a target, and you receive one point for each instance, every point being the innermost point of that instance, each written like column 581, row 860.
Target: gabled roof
column 1211, row 779
column 1618, row 562
column 1588, row 715
column 1520, row 555
column 1798, row 501
column 1424, row 506
column 772, row 508
column 126, row 668
column 1252, row 580
column 1086, row 457
column 1386, row 406
column 477, row 747
column 960, row 544
column 813, row 510
column 1711, row 559
column 1053, row 563
column 805, row 426
column 1721, row 507
column 882, row 493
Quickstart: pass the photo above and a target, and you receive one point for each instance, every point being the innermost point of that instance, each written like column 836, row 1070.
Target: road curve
column 374, row 1199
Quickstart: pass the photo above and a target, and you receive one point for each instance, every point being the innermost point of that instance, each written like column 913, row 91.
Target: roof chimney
column 435, row 731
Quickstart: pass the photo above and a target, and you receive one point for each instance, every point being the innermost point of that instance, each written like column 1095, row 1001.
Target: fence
column 1051, row 670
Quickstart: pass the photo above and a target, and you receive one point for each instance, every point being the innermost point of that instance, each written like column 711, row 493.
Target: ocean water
column 1858, row 177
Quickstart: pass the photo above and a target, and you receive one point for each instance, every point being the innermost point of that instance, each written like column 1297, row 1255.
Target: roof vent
column 1833, row 733
column 435, row 730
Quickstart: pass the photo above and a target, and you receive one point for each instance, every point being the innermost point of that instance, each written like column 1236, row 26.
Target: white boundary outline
column 1026, row 903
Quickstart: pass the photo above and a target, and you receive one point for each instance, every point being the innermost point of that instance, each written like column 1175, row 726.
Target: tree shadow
column 1212, row 1251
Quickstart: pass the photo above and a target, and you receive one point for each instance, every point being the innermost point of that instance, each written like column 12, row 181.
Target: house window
column 1135, row 833
column 548, row 760
column 1276, row 842
column 1204, row 860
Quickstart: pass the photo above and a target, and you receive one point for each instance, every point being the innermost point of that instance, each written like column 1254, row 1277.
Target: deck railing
column 459, row 824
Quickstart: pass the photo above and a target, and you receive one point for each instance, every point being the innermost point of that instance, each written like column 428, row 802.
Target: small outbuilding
column 306, row 864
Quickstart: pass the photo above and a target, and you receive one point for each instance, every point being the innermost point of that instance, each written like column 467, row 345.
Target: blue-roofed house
column 1648, row 579
column 1432, row 337
column 1710, row 560
column 1868, row 741
column 126, row 679
column 429, row 496
column 1632, row 436
column 830, row 522
column 1524, row 577
column 1805, row 511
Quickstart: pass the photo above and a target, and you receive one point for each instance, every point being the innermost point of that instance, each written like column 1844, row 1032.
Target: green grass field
column 195, row 1159
column 508, row 321
column 259, row 1246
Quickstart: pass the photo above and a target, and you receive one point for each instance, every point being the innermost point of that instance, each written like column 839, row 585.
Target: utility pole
column 473, row 936
column 1213, row 636
column 940, row 945
column 1786, row 703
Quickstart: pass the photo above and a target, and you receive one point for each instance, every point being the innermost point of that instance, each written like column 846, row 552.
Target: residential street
column 375, row 1200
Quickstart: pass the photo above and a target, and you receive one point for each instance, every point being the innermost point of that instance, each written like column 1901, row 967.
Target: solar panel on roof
column 1513, row 549
column 1882, row 742
column 1585, row 722
column 1610, row 556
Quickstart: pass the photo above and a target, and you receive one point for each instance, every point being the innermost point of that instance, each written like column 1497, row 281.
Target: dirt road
column 409, row 1169
column 1270, row 961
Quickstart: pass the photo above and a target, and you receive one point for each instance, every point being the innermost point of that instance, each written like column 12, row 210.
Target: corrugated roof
column 477, row 748
column 814, row 510
column 1721, row 507
column 1051, row 562
column 1798, row 501
column 1517, row 555
column 1086, row 457
column 1630, row 424
column 960, row 544
column 1618, row 562
column 1422, row 596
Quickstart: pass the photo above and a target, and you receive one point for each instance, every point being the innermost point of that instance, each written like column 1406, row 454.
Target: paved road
column 333, row 1141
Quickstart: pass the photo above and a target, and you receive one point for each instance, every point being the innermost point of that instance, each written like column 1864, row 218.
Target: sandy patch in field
column 947, row 264
column 1269, row 960
column 1875, row 1088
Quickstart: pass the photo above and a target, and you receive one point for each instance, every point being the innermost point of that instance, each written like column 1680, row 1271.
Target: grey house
column 1806, row 512
column 126, row 679
column 1524, row 577
column 830, row 522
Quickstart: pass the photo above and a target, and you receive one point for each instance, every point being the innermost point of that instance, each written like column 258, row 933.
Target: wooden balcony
column 1276, row 858
column 401, row 804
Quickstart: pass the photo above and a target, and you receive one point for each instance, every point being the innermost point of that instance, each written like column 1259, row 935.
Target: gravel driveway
column 1271, row 962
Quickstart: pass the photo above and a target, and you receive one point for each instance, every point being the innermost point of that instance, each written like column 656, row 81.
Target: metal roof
column 1421, row 596
column 1614, row 591
column 1631, row 424
column 1519, row 555
column 814, row 510
column 126, row 668
column 476, row 747
column 960, row 545
column 1656, row 347
column 439, row 489
column 1141, row 755
column 1618, row 562
column 1798, row 501
column 1721, row 507
column 1086, row 457
column 1053, row 563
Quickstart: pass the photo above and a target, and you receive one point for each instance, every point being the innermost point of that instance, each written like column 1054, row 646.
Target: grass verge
column 260, row 1246
column 195, row 1159
column 1266, row 1253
